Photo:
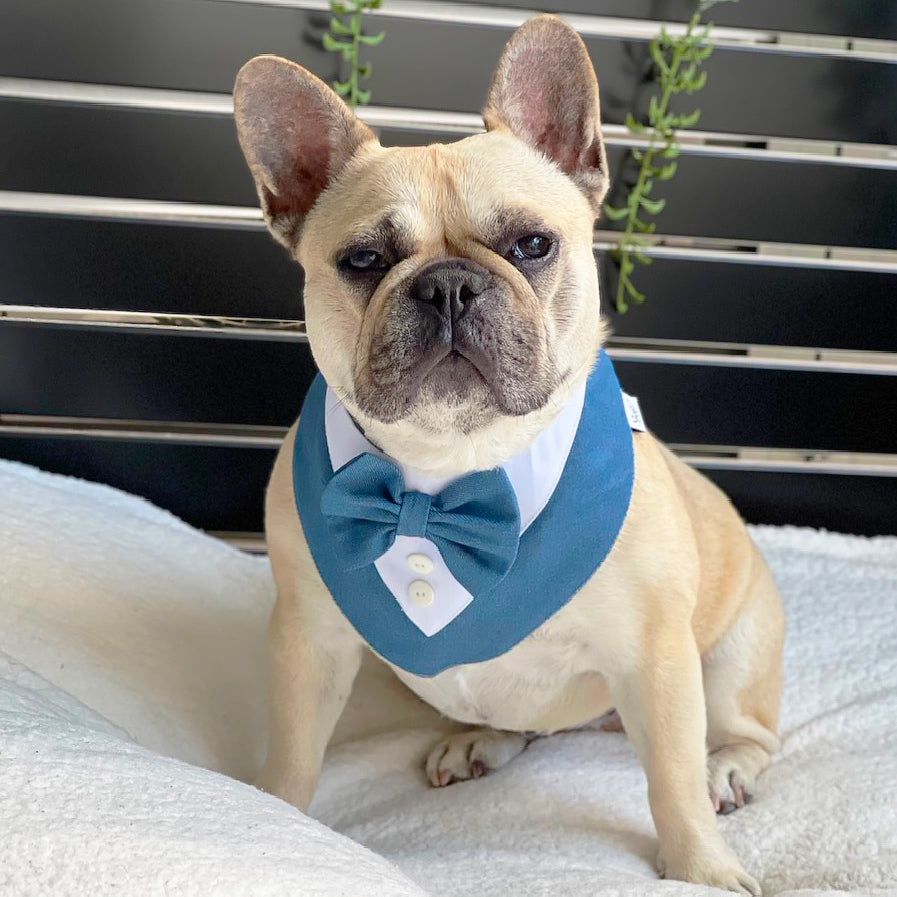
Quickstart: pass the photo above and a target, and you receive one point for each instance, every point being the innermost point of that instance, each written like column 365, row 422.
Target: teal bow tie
column 474, row 522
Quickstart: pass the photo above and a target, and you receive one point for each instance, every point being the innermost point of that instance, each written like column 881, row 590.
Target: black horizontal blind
column 767, row 351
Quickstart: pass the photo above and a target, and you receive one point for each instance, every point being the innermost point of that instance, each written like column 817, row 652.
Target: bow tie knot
column 414, row 514
column 474, row 522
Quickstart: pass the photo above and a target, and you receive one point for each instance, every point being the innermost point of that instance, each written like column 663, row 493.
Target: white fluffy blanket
column 132, row 692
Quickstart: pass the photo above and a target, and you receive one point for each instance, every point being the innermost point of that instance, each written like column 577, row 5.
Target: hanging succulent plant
column 346, row 37
column 677, row 64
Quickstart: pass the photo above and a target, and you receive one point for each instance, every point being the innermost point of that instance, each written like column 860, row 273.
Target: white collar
column 534, row 473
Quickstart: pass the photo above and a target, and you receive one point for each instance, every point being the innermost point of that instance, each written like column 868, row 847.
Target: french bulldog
column 452, row 309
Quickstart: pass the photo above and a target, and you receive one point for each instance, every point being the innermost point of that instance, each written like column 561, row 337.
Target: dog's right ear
column 296, row 134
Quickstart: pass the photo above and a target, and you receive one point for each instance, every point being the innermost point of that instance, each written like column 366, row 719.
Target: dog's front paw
column 717, row 867
column 469, row 755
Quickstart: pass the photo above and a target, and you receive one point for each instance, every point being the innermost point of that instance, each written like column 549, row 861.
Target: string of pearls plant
column 346, row 37
column 678, row 65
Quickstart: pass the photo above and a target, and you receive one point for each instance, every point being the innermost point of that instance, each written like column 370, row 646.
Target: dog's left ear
column 545, row 92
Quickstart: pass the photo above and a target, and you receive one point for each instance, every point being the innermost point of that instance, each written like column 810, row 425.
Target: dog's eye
column 365, row 260
column 535, row 246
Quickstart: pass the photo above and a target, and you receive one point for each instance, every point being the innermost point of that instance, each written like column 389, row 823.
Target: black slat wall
column 156, row 156
column 837, row 192
column 200, row 44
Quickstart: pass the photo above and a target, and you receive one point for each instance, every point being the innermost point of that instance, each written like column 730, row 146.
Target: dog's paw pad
column 470, row 755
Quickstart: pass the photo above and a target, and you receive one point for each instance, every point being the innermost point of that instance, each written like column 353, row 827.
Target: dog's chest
column 547, row 682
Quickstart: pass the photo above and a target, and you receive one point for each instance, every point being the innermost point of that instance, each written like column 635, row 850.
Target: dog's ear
column 296, row 134
column 545, row 92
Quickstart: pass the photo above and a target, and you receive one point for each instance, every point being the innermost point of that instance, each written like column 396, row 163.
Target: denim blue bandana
column 468, row 533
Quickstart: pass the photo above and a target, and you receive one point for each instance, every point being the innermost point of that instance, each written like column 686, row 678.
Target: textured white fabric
column 110, row 604
column 136, row 614
column 160, row 629
column 86, row 813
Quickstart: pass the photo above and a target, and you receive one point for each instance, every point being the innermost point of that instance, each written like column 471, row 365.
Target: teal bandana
column 516, row 581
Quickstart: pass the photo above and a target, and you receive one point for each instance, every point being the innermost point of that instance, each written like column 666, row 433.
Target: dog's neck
column 450, row 453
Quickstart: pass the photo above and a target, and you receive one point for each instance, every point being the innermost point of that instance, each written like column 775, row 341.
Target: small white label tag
column 634, row 413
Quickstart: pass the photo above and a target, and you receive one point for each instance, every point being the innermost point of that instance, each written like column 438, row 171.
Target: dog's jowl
column 466, row 492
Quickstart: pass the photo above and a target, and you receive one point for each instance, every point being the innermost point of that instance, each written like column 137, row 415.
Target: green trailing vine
column 677, row 62
column 347, row 38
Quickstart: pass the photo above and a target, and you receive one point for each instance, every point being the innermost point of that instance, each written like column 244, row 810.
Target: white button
column 420, row 563
column 421, row 593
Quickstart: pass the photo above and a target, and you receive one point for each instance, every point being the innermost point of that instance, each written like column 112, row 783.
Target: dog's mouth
column 461, row 381
column 453, row 376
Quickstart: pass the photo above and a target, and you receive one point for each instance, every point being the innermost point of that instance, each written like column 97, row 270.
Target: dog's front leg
column 661, row 703
column 311, row 674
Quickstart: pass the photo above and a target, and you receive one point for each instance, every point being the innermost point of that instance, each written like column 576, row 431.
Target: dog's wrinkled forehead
column 437, row 198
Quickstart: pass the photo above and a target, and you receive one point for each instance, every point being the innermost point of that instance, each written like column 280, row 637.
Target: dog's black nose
column 449, row 286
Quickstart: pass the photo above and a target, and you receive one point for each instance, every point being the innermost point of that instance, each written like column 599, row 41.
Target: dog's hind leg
column 469, row 755
column 742, row 687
